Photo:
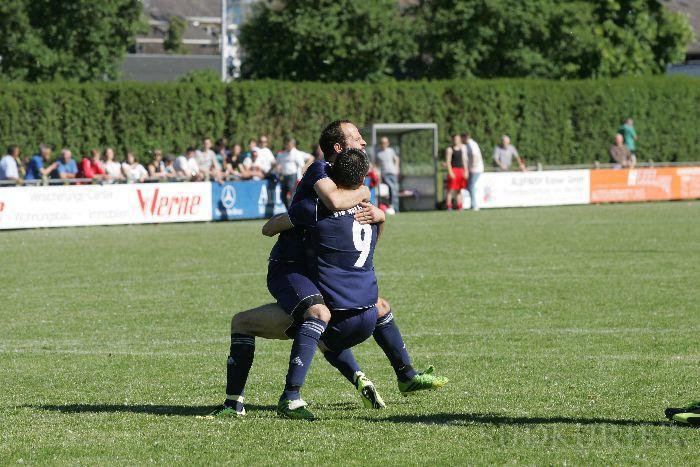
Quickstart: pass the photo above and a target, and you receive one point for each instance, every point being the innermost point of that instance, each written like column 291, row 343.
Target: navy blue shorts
column 292, row 289
column 349, row 328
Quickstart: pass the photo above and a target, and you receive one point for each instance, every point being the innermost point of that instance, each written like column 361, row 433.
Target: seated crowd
column 217, row 162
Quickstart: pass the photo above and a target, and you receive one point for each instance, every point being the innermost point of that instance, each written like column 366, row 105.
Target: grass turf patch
column 564, row 332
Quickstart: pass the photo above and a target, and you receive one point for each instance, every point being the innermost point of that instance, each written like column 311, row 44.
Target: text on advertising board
column 168, row 205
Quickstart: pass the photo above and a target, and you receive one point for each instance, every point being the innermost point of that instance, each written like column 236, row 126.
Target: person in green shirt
column 629, row 134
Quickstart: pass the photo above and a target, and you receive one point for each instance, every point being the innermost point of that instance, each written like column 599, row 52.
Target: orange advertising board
column 624, row 185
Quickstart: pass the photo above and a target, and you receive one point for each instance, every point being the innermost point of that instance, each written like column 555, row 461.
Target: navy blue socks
column 303, row 350
column 238, row 366
column 345, row 362
column 388, row 336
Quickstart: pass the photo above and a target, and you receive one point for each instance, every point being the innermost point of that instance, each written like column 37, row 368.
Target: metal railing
column 46, row 181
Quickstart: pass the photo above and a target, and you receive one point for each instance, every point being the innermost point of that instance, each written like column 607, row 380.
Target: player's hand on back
column 370, row 214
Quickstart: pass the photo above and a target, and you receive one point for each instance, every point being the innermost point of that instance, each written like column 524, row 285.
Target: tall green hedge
column 549, row 121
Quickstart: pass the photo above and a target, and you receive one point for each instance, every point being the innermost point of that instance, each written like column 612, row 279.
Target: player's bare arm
column 277, row 224
column 339, row 199
column 370, row 214
column 448, row 161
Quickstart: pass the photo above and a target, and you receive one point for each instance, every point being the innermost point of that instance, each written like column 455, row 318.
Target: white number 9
column 362, row 238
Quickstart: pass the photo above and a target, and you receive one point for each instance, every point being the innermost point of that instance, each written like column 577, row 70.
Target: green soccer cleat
column 424, row 381
column 368, row 393
column 687, row 419
column 295, row 410
column 689, row 415
column 228, row 412
column 231, row 409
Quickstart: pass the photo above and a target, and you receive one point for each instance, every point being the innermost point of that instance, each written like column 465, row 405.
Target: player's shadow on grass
column 177, row 410
column 496, row 419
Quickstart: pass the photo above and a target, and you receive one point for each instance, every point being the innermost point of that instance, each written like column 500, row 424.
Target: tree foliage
column 553, row 122
column 173, row 39
column 563, row 39
column 325, row 40
column 77, row 40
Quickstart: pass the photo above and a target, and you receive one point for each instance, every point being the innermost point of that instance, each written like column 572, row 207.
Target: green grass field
column 564, row 331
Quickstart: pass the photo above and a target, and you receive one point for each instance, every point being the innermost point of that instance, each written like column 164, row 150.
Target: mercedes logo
column 228, row 197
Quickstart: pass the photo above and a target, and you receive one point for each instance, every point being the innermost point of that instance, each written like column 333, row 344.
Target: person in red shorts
column 456, row 161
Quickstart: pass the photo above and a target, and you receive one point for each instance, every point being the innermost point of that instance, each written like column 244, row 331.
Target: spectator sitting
column 206, row 160
column 66, row 168
column 265, row 160
column 620, row 155
column 133, row 171
column 290, row 164
column 169, row 168
column 91, row 167
column 231, row 168
column 389, row 166
column 35, row 167
column 186, row 166
column 9, row 169
column 252, row 173
column 222, row 152
column 246, row 160
column 475, row 163
column 264, row 151
column 113, row 169
column 504, row 153
column 258, row 168
column 156, row 168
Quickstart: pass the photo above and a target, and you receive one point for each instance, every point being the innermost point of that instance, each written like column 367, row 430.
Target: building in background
column 692, row 57
column 202, row 38
column 149, row 61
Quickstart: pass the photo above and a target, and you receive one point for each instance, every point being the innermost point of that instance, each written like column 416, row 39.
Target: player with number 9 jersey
column 339, row 254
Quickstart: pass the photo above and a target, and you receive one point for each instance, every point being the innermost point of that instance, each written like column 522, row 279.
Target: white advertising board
column 147, row 203
column 545, row 188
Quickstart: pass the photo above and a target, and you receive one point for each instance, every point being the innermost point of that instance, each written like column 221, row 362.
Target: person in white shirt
column 206, row 160
column 113, row 169
column 475, row 163
column 264, row 151
column 186, row 166
column 8, row 164
column 389, row 166
column 133, row 171
column 290, row 164
column 264, row 161
column 258, row 166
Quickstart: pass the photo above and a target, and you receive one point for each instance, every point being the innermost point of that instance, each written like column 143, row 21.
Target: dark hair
column 350, row 168
column 190, row 149
column 332, row 134
column 12, row 148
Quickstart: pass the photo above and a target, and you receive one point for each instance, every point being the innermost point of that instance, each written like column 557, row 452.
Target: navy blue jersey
column 340, row 254
column 289, row 247
column 305, row 190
